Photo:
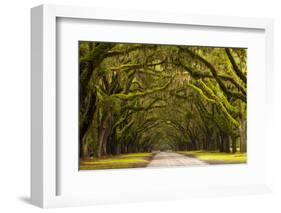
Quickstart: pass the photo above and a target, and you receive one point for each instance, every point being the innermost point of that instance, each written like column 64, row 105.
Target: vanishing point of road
column 168, row 159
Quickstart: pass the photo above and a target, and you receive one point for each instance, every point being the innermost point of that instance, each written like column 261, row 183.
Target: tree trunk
column 227, row 144
column 82, row 150
column 107, row 136
column 221, row 143
column 194, row 144
column 85, row 124
column 103, row 135
column 233, row 144
column 242, row 134
column 118, row 149
column 99, row 153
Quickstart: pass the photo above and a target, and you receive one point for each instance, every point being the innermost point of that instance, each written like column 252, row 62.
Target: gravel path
column 168, row 159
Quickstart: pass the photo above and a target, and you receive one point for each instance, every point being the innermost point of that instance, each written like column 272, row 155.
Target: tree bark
column 235, row 67
column 83, row 153
column 85, row 123
column 103, row 134
column 242, row 134
column 233, row 144
column 227, row 144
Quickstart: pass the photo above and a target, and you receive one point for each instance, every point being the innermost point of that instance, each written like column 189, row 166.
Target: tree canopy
column 144, row 97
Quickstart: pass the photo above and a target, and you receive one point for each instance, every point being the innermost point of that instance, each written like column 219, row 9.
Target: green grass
column 136, row 160
column 217, row 157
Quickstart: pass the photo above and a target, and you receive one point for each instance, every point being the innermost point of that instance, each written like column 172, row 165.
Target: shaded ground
column 217, row 157
column 162, row 159
column 167, row 159
column 136, row 160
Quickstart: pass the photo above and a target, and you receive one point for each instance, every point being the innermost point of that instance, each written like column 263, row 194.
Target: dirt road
column 168, row 159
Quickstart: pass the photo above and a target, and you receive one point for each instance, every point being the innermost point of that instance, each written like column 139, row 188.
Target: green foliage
column 159, row 96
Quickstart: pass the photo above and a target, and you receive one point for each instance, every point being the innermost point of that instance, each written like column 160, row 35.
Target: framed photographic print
column 149, row 106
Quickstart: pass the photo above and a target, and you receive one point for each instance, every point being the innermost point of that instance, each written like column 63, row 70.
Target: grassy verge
column 136, row 160
column 217, row 157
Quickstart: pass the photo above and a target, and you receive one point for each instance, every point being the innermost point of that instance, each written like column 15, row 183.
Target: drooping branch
column 219, row 96
column 127, row 67
column 134, row 109
column 218, row 77
column 210, row 66
column 198, row 90
column 122, row 131
column 131, row 96
column 142, row 108
column 221, row 106
column 207, row 74
column 94, row 59
column 235, row 67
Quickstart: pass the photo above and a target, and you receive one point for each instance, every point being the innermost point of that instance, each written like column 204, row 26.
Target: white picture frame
column 44, row 154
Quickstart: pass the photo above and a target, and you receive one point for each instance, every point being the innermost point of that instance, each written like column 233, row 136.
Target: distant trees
column 139, row 98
